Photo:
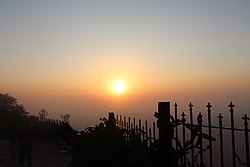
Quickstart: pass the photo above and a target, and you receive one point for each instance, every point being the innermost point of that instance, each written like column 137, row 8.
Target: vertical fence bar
column 221, row 141
column 176, row 128
column 209, row 106
column 136, row 132
column 127, row 131
column 130, row 133
column 245, row 118
column 231, row 106
column 140, row 129
column 121, row 121
column 184, row 138
column 143, row 138
column 146, row 130
column 129, row 124
column 124, row 122
column 125, row 126
column 176, row 131
column 150, row 137
column 192, row 133
column 134, row 123
column 154, row 139
column 199, row 120
column 117, row 124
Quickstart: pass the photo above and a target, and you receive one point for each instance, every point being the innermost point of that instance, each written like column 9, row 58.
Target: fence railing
column 187, row 138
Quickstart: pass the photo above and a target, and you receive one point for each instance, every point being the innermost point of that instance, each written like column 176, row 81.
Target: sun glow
column 118, row 86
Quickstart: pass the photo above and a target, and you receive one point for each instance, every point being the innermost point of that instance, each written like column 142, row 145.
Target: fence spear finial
column 245, row 118
column 209, row 106
column 183, row 117
column 231, row 106
column 175, row 106
column 190, row 106
column 220, row 117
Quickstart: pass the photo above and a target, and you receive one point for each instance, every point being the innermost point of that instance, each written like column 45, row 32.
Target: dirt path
column 44, row 154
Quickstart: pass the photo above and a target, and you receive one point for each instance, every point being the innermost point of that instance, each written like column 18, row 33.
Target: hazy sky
column 62, row 55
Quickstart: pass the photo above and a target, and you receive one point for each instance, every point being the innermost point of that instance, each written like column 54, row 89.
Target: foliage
column 9, row 108
column 12, row 115
column 193, row 143
column 106, row 146
column 66, row 133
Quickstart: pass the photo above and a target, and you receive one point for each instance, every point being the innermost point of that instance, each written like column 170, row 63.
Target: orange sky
column 62, row 56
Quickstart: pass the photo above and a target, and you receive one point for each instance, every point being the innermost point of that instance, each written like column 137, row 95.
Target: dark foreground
column 44, row 154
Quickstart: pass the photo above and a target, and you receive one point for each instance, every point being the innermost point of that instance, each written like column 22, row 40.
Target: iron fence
column 187, row 138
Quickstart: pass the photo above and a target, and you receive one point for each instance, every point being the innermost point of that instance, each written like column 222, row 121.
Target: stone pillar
column 166, row 132
column 111, row 121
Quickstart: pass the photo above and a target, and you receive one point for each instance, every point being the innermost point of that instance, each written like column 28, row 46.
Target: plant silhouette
column 196, row 138
column 106, row 145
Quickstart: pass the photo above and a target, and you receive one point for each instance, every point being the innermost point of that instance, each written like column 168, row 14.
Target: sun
column 118, row 86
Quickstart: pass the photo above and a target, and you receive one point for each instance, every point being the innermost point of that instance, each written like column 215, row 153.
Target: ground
column 44, row 154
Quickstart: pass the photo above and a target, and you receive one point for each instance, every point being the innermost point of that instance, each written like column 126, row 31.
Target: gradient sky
column 61, row 55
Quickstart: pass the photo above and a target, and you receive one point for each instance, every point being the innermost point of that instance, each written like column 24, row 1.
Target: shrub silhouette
column 103, row 146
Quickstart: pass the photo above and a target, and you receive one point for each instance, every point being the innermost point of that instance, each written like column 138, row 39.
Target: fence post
column 120, row 122
column 154, row 136
column 143, row 136
column 136, row 132
column 140, row 130
column 117, row 120
column 176, row 128
column 245, row 118
column 209, row 106
column 150, row 137
column 192, row 133
column 199, row 120
column 111, row 121
column 166, row 153
column 221, row 141
column 134, row 123
column 124, row 122
column 146, row 131
column 231, row 109
column 129, row 127
column 184, row 160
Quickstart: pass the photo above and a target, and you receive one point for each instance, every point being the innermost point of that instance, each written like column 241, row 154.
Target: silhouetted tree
column 12, row 115
column 10, row 110
column 9, row 106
